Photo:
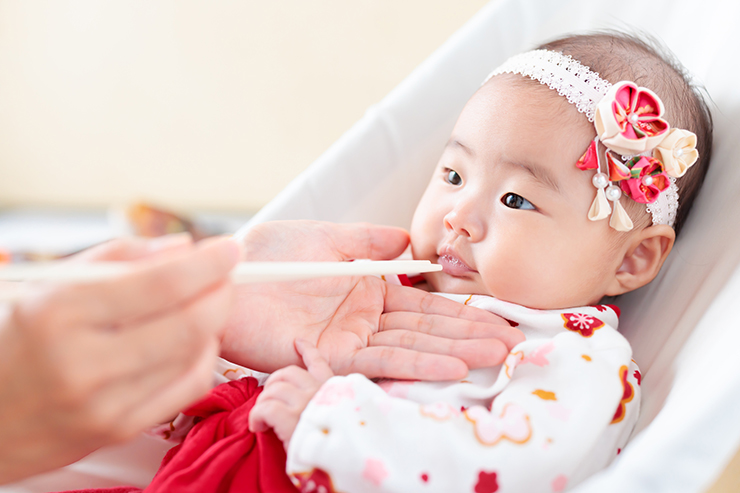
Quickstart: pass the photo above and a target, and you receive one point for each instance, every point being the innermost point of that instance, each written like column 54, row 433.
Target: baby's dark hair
column 619, row 56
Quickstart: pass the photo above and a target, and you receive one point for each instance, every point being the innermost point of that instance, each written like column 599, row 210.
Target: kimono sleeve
column 559, row 409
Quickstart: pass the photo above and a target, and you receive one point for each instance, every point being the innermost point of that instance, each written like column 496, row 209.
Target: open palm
column 359, row 324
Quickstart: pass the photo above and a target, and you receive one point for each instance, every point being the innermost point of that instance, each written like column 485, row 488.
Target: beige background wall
column 195, row 105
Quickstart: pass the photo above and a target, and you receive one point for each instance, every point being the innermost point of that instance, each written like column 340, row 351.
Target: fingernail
column 169, row 241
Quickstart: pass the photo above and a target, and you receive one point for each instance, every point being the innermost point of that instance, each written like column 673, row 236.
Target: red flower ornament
column 647, row 179
column 628, row 119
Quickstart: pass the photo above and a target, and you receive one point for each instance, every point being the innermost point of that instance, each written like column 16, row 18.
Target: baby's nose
column 464, row 221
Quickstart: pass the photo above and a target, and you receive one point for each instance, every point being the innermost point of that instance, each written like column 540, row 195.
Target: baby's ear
column 646, row 252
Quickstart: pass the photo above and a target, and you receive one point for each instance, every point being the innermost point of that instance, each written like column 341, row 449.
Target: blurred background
column 204, row 110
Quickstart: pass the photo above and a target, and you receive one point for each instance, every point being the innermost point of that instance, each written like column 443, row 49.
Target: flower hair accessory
column 643, row 155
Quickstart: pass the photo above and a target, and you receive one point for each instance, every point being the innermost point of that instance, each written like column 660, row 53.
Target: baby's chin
column 439, row 282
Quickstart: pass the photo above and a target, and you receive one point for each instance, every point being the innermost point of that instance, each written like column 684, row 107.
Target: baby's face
column 506, row 210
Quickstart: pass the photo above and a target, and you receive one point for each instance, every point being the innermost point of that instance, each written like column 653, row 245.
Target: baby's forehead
column 526, row 91
column 525, row 112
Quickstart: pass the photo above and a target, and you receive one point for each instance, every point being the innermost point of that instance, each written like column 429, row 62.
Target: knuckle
column 425, row 324
column 277, row 388
column 407, row 339
column 426, row 303
column 386, row 355
column 270, row 408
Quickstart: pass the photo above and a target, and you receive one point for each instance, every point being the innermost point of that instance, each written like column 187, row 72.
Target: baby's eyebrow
column 457, row 143
column 541, row 174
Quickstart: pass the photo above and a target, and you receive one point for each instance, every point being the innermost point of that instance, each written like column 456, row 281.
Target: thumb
column 134, row 248
column 368, row 241
column 315, row 364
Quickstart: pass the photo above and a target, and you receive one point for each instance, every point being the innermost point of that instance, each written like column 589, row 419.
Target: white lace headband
column 628, row 122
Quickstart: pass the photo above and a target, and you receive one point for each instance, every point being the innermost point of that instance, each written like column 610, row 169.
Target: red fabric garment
column 220, row 454
column 115, row 489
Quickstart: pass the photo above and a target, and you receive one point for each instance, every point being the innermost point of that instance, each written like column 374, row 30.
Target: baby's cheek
column 520, row 279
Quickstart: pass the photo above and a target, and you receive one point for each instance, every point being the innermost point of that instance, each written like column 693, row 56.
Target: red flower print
column 638, row 377
column 486, row 483
column 581, row 323
column 601, row 308
column 425, row 477
column 628, row 393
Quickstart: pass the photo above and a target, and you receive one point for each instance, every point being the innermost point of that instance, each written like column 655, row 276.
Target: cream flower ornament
column 628, row 119
column 677, row 152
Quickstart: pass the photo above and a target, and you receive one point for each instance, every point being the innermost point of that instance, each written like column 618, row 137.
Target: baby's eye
column 517, row 202
column 452, row 177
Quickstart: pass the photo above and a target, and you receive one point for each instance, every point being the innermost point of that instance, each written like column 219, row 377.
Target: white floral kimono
column 559, row 409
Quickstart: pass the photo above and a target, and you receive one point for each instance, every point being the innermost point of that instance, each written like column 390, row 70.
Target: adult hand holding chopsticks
column 359, row 324
column 83, row 365
column 90, row 363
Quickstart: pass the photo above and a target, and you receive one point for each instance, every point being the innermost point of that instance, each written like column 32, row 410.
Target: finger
column 134, row 248
column 399, row 363
column 137, row 365
column 273, row 414
column 292, row 397
column 155, row 286
column 176, row 336
column 368, row 241
column 406, row 299
column 293, row 375
column 449, row 327
column 476, row 353
column 257, row 420
column 315, row 364
column 168, row 400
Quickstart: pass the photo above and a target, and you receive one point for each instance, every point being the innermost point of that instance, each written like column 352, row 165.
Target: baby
column 545, row 201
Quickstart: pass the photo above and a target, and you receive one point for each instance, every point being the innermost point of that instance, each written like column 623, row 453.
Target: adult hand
column 359, row 324
column 84, row 365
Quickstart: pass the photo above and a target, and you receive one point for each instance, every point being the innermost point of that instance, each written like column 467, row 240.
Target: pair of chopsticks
column 243, row 273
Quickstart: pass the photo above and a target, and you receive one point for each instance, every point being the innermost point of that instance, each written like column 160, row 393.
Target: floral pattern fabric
column 557, row 410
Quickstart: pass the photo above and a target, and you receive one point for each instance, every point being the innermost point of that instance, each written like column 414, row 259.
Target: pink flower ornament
column 628, row 119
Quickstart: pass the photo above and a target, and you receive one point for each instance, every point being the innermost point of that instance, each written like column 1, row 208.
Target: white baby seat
column 682, row 326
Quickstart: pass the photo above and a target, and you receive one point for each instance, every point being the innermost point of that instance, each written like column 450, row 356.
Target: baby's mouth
column 454, row 266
